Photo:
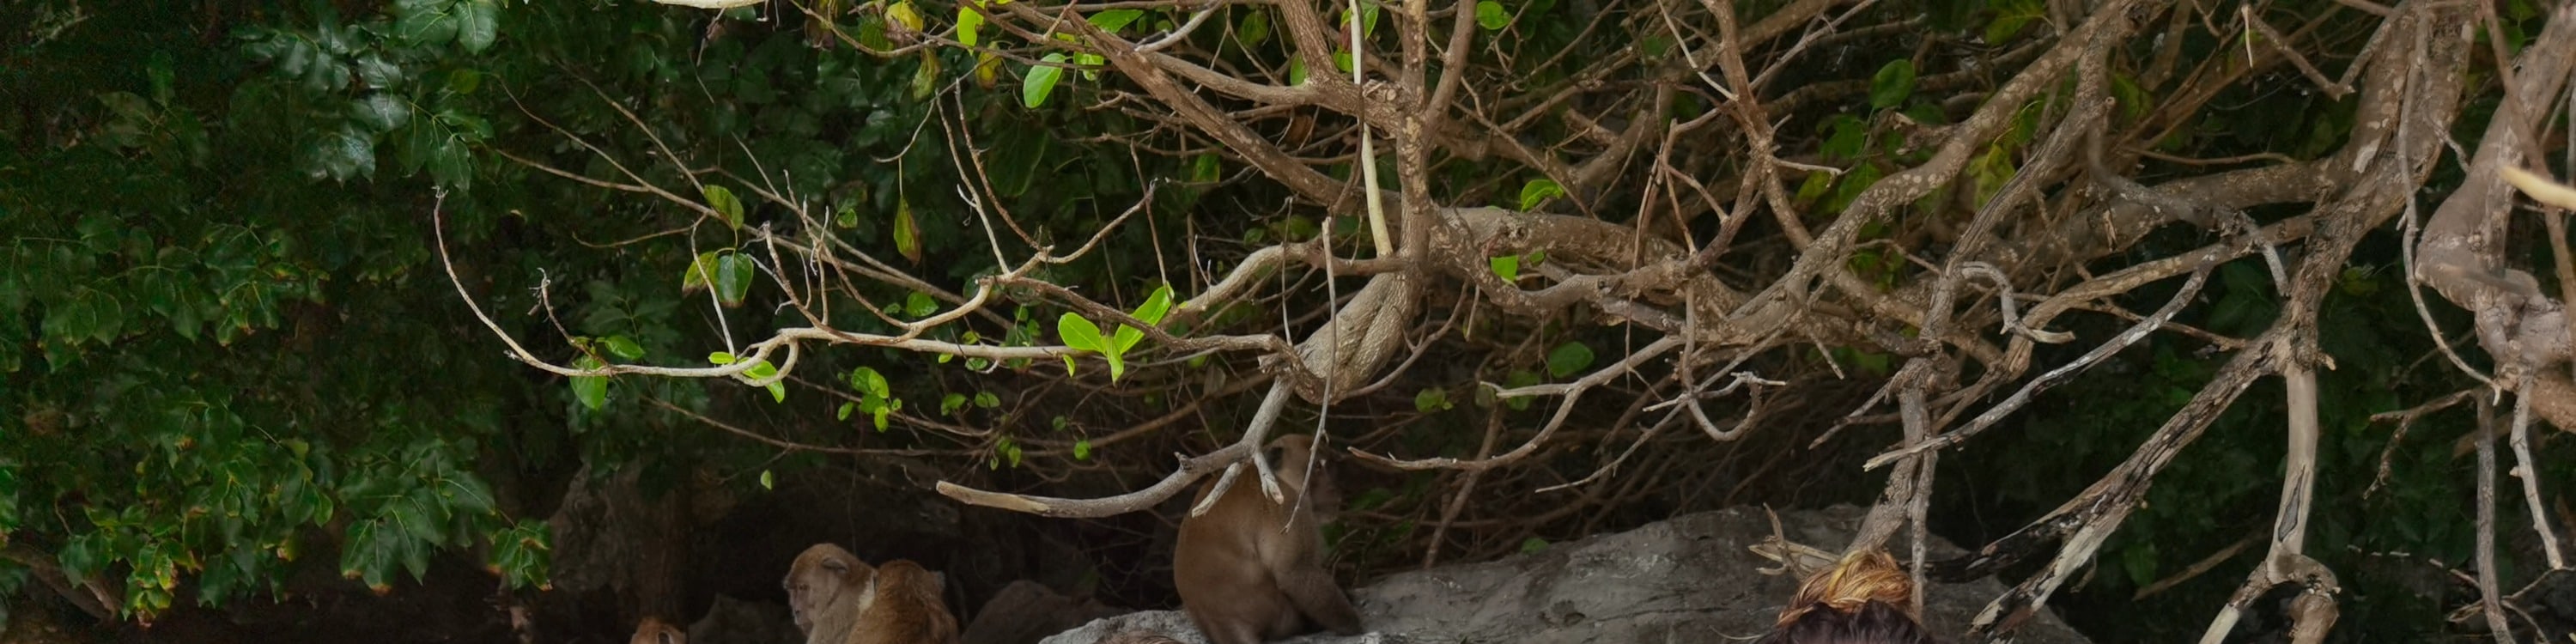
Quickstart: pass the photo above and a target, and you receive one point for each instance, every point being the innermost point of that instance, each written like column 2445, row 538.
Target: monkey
column 1863, row 599
column 1243, row 579
column 905, row 607
column 655, row 631
column 837, row 599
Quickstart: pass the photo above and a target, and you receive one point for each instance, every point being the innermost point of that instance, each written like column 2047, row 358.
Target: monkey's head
column 824, row 578
column 1288, row 456
column 655, row 631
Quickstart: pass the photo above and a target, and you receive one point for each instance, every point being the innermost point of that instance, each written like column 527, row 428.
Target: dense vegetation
column 356, row 287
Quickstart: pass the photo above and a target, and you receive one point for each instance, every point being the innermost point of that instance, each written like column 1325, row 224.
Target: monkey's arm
column 1313, row 591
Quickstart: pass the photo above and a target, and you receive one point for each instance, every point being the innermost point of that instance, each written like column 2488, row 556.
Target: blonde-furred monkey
column 838, row 599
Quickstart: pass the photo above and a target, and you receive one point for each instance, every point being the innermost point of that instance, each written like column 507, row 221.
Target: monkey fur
column 1245, row 580
column 838, row 599
column 655, row 631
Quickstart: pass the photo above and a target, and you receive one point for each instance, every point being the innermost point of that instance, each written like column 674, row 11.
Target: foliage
column 237, row 345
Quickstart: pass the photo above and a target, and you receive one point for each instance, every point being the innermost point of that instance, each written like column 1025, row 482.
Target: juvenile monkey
column 655, row 631
column 837, row 599
column 1250, row 570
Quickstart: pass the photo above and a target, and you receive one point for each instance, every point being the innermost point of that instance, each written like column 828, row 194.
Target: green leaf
column 767, row 482
column 384, row 112
column 1206, row 169
column 1150, row 313
column 919, row 305
column 1538, row 191
column 721, row 358
column 969, row 23
column 1533, row 544
column 844, row 413
column 987, row 400
column 2134, row 100
column 700, row 272
column 479, row 24
column 592, row 391
column 1041, row 81
column 1849, row 138
column 907, row 234
column 1848, row 189
column 867, row 381
column 1519, row 378
column 949, row 404
column 1491, row 16
column 343, row 154
column 1156, row 306
column 1507, row 267
column 1894, row 82
column 425, row 24
column 1296, row 71
column 1431, row 399
column 1569, row 358
column 727, row 206
column 762, row 370
column 904, row 14
column 926, row 78
column 624, row 347
column 1012, row 451
column 734, row 273
column 1255, row 28
column 1080, row 333
column 1082, row 450
column 1368, row 18
column 1115, row 19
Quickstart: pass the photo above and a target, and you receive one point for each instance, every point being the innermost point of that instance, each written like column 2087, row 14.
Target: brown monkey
column 905, row 608
column 1242, row 577
column 837, row 599
column 655, row 631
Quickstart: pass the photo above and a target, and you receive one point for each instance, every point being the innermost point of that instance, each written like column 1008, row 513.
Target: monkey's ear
column 940, row 578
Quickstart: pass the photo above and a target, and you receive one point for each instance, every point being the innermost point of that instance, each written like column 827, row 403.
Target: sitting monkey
column 837, row 599
column 1250, row 570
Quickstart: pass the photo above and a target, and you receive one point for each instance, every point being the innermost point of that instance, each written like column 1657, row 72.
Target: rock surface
column 1686, row 579
column 1026, row 611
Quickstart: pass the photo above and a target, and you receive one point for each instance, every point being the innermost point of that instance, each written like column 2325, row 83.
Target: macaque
column 1250, row 570
column 1863, row 599
column 655, row 631
column 837, row 599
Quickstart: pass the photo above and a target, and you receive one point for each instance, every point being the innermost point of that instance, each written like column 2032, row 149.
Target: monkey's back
column 1223, row 573
column 908, row 609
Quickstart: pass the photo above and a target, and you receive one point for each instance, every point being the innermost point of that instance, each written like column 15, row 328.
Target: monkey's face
column 823, row 578
column 1321, row 495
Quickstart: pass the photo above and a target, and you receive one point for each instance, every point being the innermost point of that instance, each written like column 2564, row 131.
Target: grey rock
column 1686, row 579
column 1026, row 611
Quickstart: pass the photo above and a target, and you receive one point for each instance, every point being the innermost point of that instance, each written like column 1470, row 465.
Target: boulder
column 1686, row 579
